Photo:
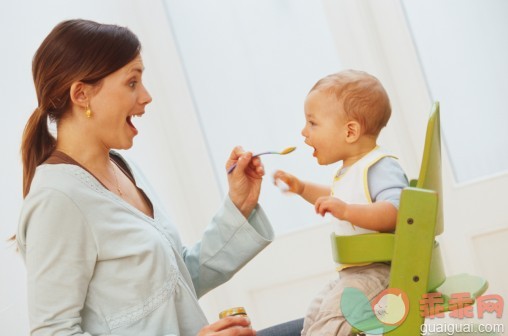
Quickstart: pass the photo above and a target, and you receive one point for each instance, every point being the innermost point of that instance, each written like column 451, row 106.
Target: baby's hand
column 332, row 205
column 287, row 182
column 282, row 185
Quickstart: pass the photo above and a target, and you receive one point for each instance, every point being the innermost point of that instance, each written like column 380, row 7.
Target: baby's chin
column 318, row 157
column 322, row 161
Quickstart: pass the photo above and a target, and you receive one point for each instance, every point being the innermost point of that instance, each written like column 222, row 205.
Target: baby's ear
column 353, row 131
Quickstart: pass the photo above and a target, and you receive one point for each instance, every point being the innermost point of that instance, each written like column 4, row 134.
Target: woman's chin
column 124, row 145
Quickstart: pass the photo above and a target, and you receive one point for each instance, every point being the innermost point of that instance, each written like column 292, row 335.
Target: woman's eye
column 133, row 84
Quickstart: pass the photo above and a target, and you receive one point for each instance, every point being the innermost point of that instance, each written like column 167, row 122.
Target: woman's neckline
column 59, row 157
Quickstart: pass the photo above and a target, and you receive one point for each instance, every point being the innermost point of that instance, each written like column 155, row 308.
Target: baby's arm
column 307, row 190
column 379, row 216
column 386, row 181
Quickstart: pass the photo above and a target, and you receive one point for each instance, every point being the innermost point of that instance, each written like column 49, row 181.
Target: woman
column 102, row 256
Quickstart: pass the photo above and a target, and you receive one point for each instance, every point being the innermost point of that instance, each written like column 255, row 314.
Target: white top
column 98, row 266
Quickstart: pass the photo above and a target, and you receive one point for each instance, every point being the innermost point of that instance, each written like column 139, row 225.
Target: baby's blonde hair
column 363, row 98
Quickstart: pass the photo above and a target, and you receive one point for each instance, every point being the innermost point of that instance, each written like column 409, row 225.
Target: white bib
column 351, row 186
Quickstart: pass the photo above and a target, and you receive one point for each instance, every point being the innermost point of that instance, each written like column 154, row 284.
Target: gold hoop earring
column 88, row 112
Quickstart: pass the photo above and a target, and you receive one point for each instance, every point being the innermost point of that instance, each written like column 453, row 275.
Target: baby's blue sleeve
column 386, row 180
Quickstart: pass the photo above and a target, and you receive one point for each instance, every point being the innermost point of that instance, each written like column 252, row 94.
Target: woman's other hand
column 245, row 181
column 229, row 326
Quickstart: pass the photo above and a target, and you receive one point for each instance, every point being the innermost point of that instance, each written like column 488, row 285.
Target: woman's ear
column 353, row 131
column 79, row 94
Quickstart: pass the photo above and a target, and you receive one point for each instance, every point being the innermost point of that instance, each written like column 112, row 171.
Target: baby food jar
column 235, row 311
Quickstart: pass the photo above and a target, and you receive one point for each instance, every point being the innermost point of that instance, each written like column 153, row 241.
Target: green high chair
column 416, row 263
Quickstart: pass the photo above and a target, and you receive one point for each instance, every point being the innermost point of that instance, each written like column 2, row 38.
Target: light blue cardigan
column 98, row 266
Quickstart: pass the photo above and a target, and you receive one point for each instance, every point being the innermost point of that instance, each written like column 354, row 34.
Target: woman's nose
column 146, row 98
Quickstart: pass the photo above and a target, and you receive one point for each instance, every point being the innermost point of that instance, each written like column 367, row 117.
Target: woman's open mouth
column 129, row 122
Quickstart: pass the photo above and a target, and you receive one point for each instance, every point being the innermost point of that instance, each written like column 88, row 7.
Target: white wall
column 463, row 55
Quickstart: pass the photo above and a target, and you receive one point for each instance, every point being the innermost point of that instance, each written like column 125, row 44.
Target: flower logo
column 386, row 311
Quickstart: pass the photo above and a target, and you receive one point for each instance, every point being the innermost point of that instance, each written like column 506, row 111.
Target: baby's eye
column 312, row 123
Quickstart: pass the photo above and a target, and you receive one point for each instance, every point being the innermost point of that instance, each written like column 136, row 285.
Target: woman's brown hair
column 75, row 50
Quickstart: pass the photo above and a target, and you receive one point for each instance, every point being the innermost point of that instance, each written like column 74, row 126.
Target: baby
column 344, row 115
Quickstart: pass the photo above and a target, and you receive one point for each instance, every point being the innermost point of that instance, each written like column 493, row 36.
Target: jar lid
column 232, row 312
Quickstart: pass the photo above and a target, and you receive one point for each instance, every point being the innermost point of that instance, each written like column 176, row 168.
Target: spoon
column 282, row 152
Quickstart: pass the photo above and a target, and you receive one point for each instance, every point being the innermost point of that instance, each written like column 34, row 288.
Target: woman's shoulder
column 53, row 200
column 66, row 179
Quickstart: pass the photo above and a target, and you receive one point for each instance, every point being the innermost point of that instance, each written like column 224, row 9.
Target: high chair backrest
column 430, row 169
column 416, row 265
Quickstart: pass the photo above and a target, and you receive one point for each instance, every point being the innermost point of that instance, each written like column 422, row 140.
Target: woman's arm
column 60, row 253
column 238, row 232
column 228, row 243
